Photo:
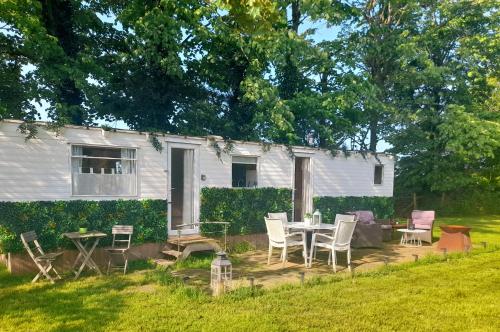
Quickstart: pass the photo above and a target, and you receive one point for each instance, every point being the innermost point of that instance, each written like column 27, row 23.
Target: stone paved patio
column 254, row 263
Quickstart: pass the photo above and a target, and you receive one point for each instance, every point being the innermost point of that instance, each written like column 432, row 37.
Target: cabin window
column 244, row 170
column 103, row 171
column 377, row 175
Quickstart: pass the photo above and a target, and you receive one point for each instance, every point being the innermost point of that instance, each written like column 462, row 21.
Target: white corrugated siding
column 40, row 169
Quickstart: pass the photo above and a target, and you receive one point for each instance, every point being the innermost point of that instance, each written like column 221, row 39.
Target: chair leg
column 269, row 254
column 311, row 251
column 329, row 257
column 334, row 261
column 36, row 277
column 285, row 254
column 44, row 272
column 126, row 264
column 109, row 265
column 57, row 273
column 349, row 259
column 304, row 253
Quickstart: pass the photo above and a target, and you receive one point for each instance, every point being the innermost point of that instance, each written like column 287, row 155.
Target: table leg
column 87, row 261
column 79, row 246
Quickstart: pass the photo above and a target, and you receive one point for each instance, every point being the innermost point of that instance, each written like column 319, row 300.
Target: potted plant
column 307, row 218
column 83, row 227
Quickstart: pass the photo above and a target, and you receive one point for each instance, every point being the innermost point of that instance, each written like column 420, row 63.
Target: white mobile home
column 93, row 164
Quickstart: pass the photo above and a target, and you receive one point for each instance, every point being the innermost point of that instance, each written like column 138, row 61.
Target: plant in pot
column 307, row 218
column 83, row 226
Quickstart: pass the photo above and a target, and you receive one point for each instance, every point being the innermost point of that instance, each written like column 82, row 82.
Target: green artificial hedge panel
column 51, row 219
column 243, row 208
column 382, row 207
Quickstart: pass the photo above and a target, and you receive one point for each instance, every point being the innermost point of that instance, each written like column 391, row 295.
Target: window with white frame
column 378, row 174
column 103, row 171
column 244, row 172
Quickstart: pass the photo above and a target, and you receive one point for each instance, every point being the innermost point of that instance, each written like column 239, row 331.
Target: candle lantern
column 316, row 218
column 221, row 274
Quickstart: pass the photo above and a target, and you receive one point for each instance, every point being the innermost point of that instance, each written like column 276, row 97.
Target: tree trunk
column 373, row 132
column 58, row 18
column 295, row 16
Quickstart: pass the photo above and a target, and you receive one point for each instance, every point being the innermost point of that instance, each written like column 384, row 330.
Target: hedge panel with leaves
column 382, row 207
column 51, row 219
column 243, row 208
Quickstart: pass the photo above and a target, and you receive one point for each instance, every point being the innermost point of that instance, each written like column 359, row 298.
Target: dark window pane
column 377, row 178
column 244, row 175
column 101, row 152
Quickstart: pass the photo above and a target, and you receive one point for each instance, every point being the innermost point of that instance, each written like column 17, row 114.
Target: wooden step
column 185, row 240
column 173, row 253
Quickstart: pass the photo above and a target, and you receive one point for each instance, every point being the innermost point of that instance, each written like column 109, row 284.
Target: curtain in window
column 76, row 162
column 122, row 183
column 187, row 206
column 306, row 189
column 128, row 166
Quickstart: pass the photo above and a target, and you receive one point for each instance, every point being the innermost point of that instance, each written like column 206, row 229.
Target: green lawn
column 484, row 228
column 461, row 293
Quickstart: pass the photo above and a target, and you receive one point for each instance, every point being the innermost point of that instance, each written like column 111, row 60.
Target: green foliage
column 241, row 247
column 468, row 203
column 446, row 129
column 382, row 207
column 243, row 208
column 51, row 219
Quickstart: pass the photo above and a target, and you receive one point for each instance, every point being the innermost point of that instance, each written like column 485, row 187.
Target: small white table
column 310, row 228
column 411, row 237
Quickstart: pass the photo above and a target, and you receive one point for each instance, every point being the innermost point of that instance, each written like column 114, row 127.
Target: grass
column 484, row 228
column 460, row 293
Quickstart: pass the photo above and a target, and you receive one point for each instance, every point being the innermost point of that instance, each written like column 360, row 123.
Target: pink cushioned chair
column 423, row 220
column 365, row 217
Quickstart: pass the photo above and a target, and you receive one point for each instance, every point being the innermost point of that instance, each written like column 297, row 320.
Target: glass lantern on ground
column 221, row 274
column 316, row 219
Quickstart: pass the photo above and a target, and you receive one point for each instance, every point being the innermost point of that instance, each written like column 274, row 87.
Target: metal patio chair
column 122, row 237
column 42, row 260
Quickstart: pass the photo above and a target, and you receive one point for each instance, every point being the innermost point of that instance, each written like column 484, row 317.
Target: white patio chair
column 278, row 239
column 42, row 260
column 122, row 234
column 338, row 217
column 340, row 241
column 281, row 216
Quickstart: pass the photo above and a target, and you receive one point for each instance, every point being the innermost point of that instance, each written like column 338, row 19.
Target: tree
column 56, row 52
column 448, row 132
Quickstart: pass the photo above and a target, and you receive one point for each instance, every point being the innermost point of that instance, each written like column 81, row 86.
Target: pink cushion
column 365, row 217
column 422, row 219
column 422, row 226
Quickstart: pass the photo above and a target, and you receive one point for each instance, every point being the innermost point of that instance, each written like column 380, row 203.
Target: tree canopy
column 420, row 75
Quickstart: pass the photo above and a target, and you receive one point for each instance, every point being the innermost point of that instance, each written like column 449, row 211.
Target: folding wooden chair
column 42, row 260
column 122, row 234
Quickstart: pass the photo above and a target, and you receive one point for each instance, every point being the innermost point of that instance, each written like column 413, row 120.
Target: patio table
column 411, row 237
column 310, row 228
column 85, row 250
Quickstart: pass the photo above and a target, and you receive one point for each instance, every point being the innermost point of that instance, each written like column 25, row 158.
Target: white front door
column 183, row 188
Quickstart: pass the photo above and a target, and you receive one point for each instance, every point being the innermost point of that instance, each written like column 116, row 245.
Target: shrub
column 51, row 219
column 382, row 207
column 471, row 202
column 243, row 208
